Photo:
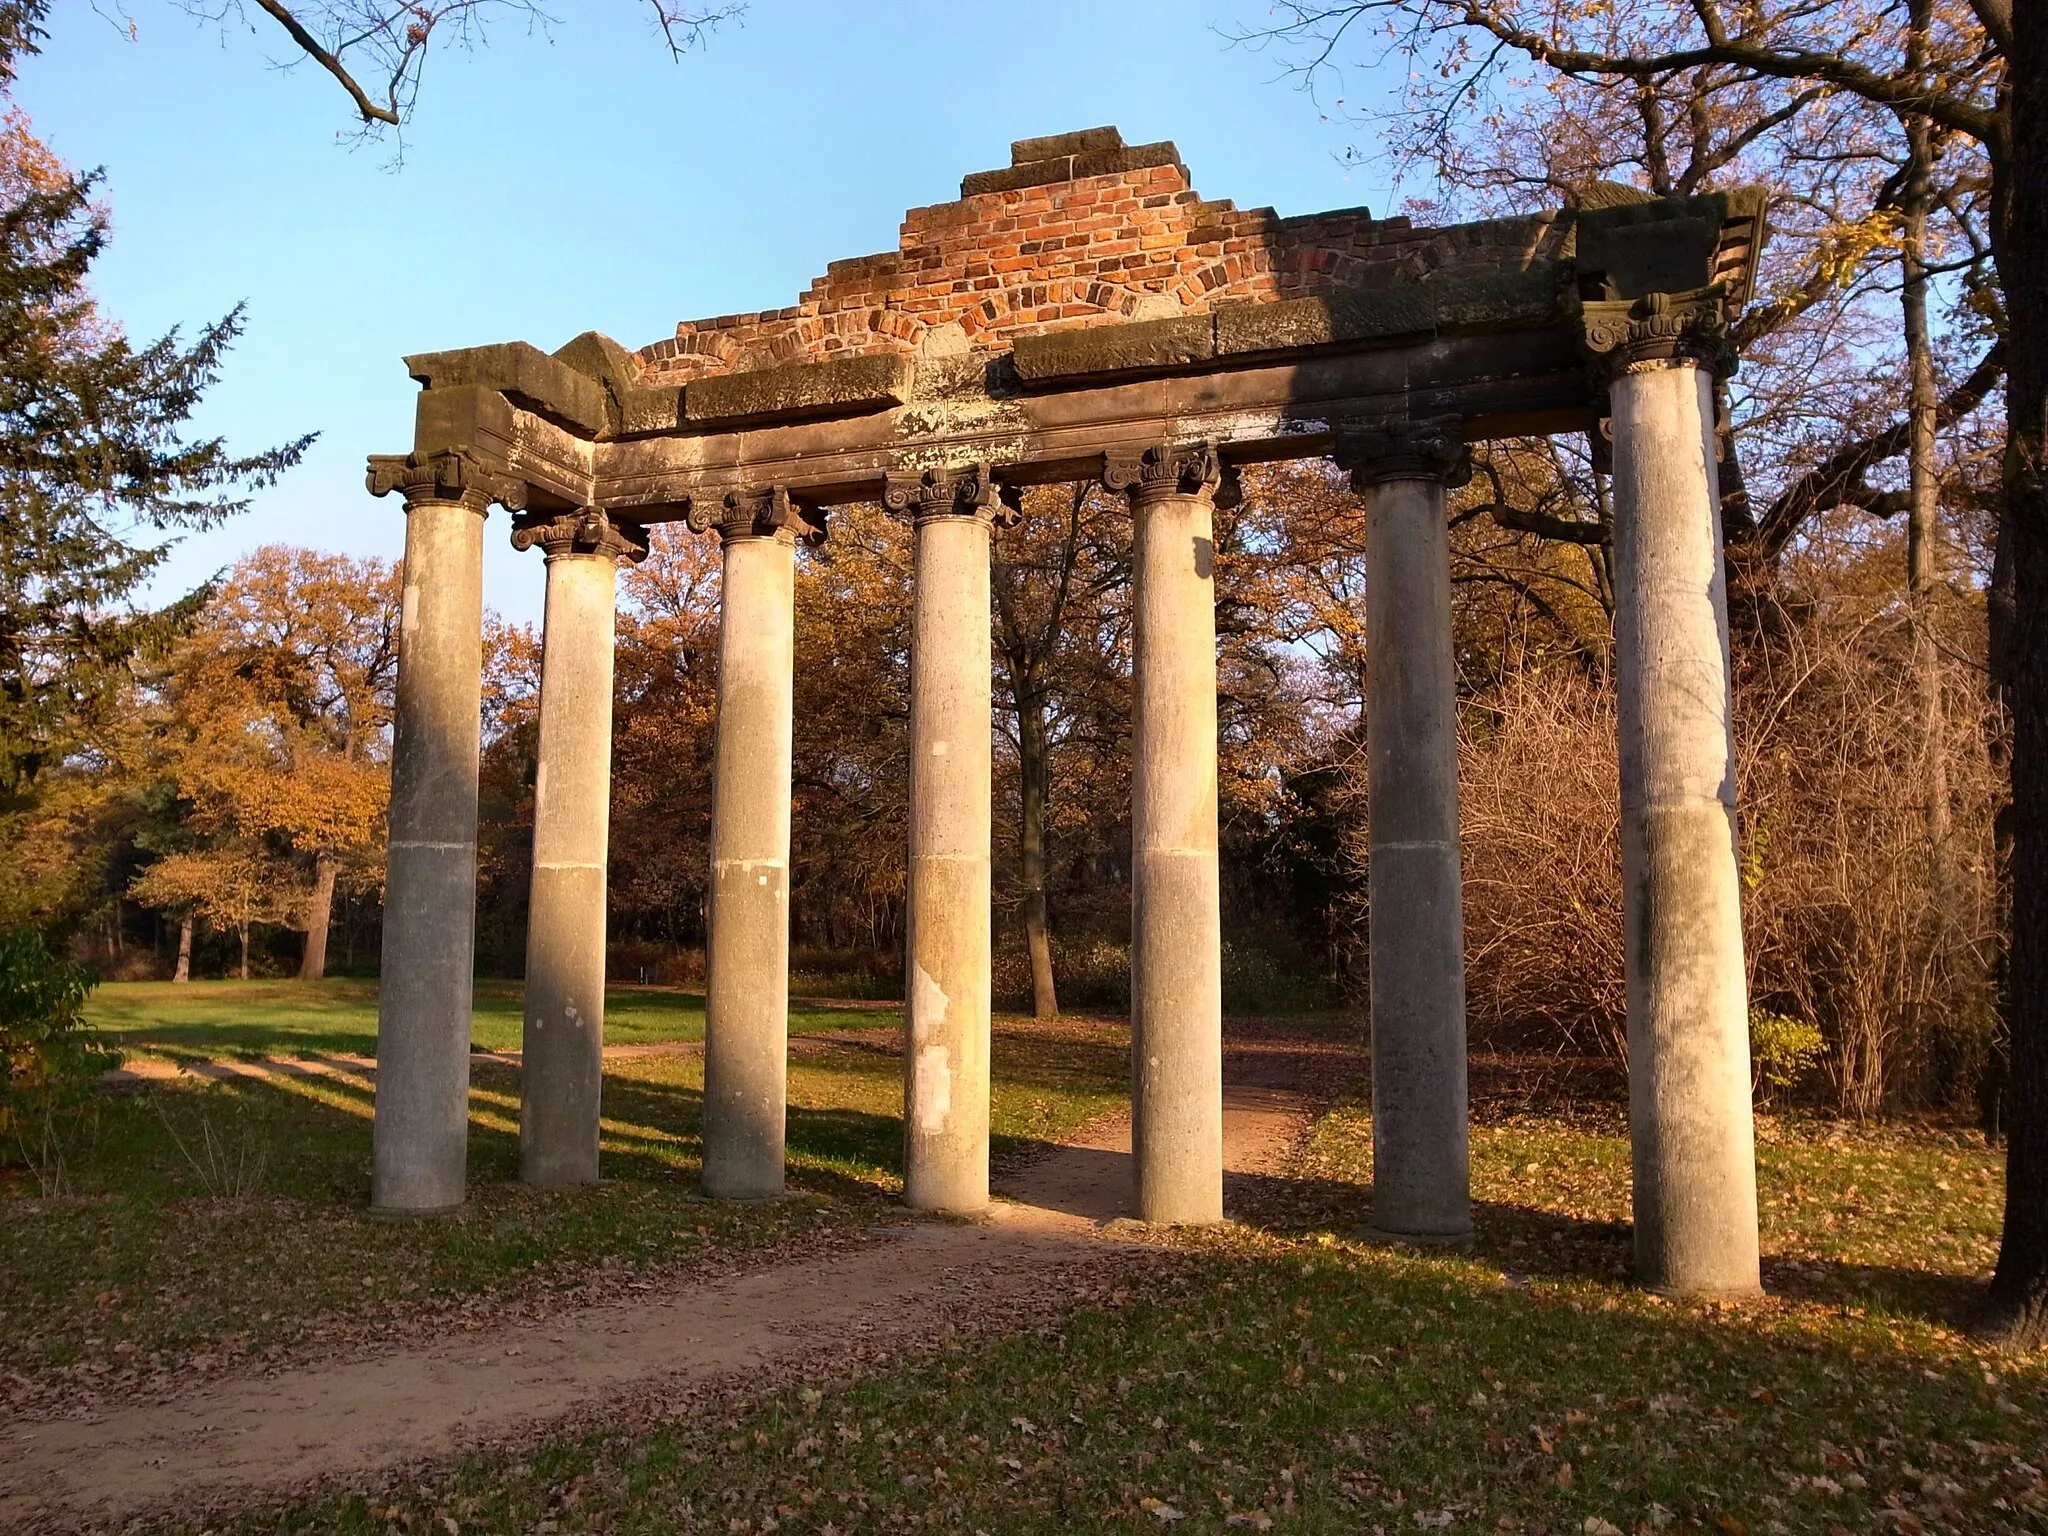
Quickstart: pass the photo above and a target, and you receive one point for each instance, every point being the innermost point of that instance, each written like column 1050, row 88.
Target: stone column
column 420, row 1139
column 1688, row 1013
column 1421, row 1182
column 562, row 1047
column 746, row 1004
column 1176, row 925
column 946, row 980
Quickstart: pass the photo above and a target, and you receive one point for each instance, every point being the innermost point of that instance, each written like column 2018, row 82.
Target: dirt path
column 356, row 1421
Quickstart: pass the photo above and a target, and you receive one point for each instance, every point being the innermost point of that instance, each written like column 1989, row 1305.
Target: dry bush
column 1540, row 816
column 1851, row 923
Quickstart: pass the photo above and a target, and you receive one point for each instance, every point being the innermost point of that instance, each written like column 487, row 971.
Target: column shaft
column 1688, row 1016
column 947, row 985
column 1421, row 1167
column 563, row 1041
column 1176, row 923
column 421, row 1135
column 746, row 1022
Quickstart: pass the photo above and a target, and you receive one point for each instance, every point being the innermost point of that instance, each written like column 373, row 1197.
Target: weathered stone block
column 1368, row 315
column 1053, row 146
column 519, row 369
column 1667, row 246
column 1140, row 345
column 650, row 410
column 797, row 391
column 1498, row 300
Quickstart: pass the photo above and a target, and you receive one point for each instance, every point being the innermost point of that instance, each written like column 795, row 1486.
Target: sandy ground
column 355, row 1423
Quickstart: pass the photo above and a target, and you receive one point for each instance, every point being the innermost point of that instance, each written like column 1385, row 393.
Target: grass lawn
column 1283, row 1375
column 205, row 1222
column 339, row 1015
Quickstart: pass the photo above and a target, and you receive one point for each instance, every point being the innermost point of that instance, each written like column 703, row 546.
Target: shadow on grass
column 311, row 1136
column 1525, row 1242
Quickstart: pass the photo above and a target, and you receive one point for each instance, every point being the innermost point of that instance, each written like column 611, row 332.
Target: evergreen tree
column 95, row 458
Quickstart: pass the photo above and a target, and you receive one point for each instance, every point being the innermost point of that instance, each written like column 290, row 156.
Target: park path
column 354, row 1423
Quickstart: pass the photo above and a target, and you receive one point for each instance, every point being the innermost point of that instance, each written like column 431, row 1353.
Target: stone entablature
column 1086, row 301
column 1083, row 229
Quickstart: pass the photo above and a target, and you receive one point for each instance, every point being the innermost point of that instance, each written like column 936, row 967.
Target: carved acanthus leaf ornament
column 1165, row 469
column 965, row 492
column 1659, row 330
column 587, row 531
column 766, row 513
column 1429, row 448
column 452, row 475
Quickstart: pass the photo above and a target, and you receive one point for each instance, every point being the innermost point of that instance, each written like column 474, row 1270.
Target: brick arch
column 1017, row 307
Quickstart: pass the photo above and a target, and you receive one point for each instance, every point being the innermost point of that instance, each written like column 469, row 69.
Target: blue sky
column 557, row 183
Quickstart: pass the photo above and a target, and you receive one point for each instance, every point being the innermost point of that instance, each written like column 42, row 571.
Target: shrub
column 1782, row 1050
column 50, row 1055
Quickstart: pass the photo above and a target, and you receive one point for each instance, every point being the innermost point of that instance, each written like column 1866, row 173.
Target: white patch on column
column 934, row 1087
column 928, row 1001
column 940, row 748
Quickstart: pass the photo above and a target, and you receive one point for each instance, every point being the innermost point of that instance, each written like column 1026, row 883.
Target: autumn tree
column 278, row 718
column 1055, row 567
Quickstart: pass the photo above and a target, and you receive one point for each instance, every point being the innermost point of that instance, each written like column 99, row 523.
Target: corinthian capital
column 767, row 513
column 1432, row 448
column 451, row 475
column 589, row 531
column 1165, row 469
column 1659, row 330
column 940, row 493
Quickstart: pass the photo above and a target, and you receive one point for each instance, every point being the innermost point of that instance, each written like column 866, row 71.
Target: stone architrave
column 1688, row 1015
column 1176, row 922
column 562, row 1046
column 420, row 1138
column 1421, row 1160
column 946, row 1003
column 746, row 1003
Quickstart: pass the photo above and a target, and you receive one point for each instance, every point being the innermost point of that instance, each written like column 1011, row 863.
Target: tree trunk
column 245, row 951
column 2019, row 1290
column 1034, row 772
column 184, row 970
column 1923, row 529
column 319, row 914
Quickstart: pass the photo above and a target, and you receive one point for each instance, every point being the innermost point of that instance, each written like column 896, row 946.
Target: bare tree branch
column 376, row 49
column 1839, row 480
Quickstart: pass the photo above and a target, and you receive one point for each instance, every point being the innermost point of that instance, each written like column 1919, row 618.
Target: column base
column 1688, row 1293
column 430, row 1213
column 776, row 1197
column 1453, row 1240
column 957, row 1212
